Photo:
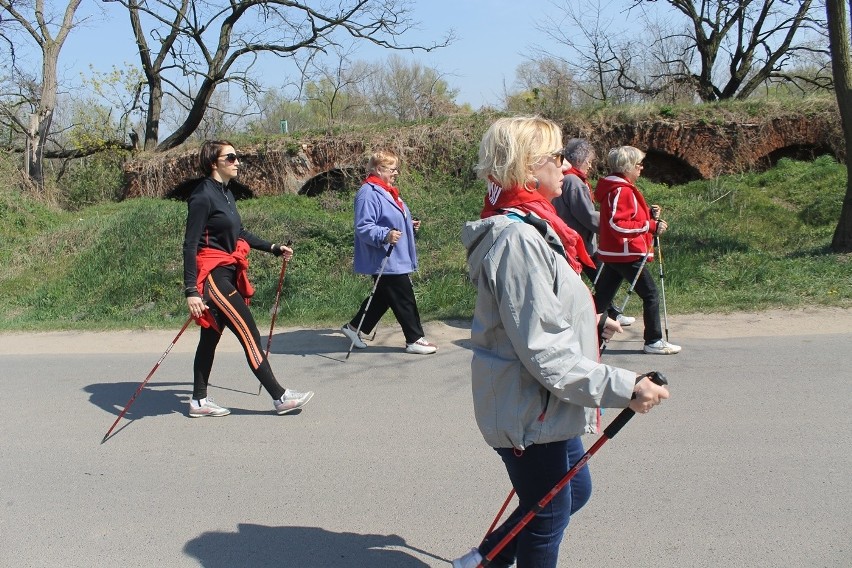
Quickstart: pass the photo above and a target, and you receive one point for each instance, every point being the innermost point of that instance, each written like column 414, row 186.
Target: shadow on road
column 156, row 399
column 300, row 547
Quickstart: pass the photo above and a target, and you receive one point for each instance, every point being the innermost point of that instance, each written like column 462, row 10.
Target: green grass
column 738, row 243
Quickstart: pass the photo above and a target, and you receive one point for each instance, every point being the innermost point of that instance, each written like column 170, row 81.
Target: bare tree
column 587, row 46
column 216, row 42
column 332, row 93
column 717, row 49
column 547, row 87
column 49, row 32
column 841, row 63
column 740, row 44
column 407, row 90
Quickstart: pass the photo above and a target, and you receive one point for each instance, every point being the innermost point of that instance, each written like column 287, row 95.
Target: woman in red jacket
column 625, row 244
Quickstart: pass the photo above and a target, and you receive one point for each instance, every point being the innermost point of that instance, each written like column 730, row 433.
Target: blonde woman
column 536, row 378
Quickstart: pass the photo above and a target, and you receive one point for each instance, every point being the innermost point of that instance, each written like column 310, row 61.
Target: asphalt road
column 747, row 465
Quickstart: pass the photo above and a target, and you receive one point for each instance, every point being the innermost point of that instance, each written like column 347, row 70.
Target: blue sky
column 492, row 36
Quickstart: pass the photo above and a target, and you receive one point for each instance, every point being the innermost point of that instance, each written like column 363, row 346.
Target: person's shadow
column 154, row 401
column 259, row 546
column 151, row 401
column 329, row 343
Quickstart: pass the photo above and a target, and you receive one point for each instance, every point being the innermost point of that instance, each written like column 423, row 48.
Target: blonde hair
column 623, row 159
column 512, row 145
column 382, row 159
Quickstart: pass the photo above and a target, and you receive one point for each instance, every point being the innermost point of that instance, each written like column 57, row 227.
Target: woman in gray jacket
column 536, row 378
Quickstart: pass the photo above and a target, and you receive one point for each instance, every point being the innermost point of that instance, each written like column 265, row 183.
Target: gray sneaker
column 353, row 336
column 624, row 320
column 662, row 347
column 209, row 408
column 292, row 400
column 421, row 347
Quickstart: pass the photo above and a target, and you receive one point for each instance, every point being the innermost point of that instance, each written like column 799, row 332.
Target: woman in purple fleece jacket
column 382, row 219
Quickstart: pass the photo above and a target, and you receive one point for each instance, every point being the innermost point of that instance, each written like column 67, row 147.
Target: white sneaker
column 355, row 338
column 662, row 347
column 209, row 408
column 421, row 347
column 624, row 320
column 292, row 400
column 469, row 560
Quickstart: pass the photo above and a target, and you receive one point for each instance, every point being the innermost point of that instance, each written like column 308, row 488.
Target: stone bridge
column 677, row 152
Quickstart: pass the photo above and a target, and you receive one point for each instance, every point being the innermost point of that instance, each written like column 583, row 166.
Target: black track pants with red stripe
column 230, row 310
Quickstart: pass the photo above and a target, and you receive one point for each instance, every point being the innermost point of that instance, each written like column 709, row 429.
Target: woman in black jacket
column 215, row 250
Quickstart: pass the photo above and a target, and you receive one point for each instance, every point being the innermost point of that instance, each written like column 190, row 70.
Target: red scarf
column 394, row 192
column 499, row 199
column 582, row 176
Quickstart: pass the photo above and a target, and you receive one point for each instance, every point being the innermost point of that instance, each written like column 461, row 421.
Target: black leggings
column 609, row 282
column 229, row 309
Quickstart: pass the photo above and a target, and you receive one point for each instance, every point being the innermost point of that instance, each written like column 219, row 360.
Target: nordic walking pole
column 370, row 299
column 662, row 284
column 609, row 432
column 151, row 374
column 655, row 213
column 635, row 280
column 500, row 513
column 275, row 309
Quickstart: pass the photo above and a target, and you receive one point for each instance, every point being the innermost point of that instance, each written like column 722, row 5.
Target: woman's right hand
column 393, row 236
column 648, row 395
column 196, row 306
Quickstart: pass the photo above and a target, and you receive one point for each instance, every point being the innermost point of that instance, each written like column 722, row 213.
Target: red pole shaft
column 275, row 308
column 542, row 503
column 141, row 386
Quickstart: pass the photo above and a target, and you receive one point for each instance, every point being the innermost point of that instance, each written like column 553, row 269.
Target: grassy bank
column 748, row 242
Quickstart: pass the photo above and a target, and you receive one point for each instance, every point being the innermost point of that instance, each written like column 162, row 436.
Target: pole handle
column 390, row 248
column 625, row 415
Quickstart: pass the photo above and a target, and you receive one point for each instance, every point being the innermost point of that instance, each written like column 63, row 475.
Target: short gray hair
column 578, row 150
column 623, row 159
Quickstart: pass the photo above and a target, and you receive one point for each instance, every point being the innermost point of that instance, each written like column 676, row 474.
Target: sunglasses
column 230, row 158
column 559, row 157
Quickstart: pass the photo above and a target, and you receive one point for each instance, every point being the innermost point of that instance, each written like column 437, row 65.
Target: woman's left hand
column 283, row 250
column 415, row 222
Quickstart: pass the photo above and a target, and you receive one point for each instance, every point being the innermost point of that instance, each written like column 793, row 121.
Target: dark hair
column 209, row 153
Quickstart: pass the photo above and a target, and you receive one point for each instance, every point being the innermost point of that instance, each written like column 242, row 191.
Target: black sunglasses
column 230, row 158
column 559, row 157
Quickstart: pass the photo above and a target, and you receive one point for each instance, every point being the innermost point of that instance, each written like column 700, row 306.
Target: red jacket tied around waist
column 210, row 258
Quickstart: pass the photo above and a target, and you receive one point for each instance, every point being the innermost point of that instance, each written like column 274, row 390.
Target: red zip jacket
column 626, row 229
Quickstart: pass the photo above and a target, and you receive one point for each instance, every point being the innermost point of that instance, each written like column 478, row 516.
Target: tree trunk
column 841, row 65
column 193, row 118
column 155, row 110
column 41, row 120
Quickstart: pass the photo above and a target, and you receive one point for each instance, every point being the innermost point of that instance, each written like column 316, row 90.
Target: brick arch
column 335, row 180
column 801, row 152
column 663, row 167
column 677, row 150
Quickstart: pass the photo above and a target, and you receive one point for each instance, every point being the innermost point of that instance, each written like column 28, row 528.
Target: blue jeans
column 533, row 473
